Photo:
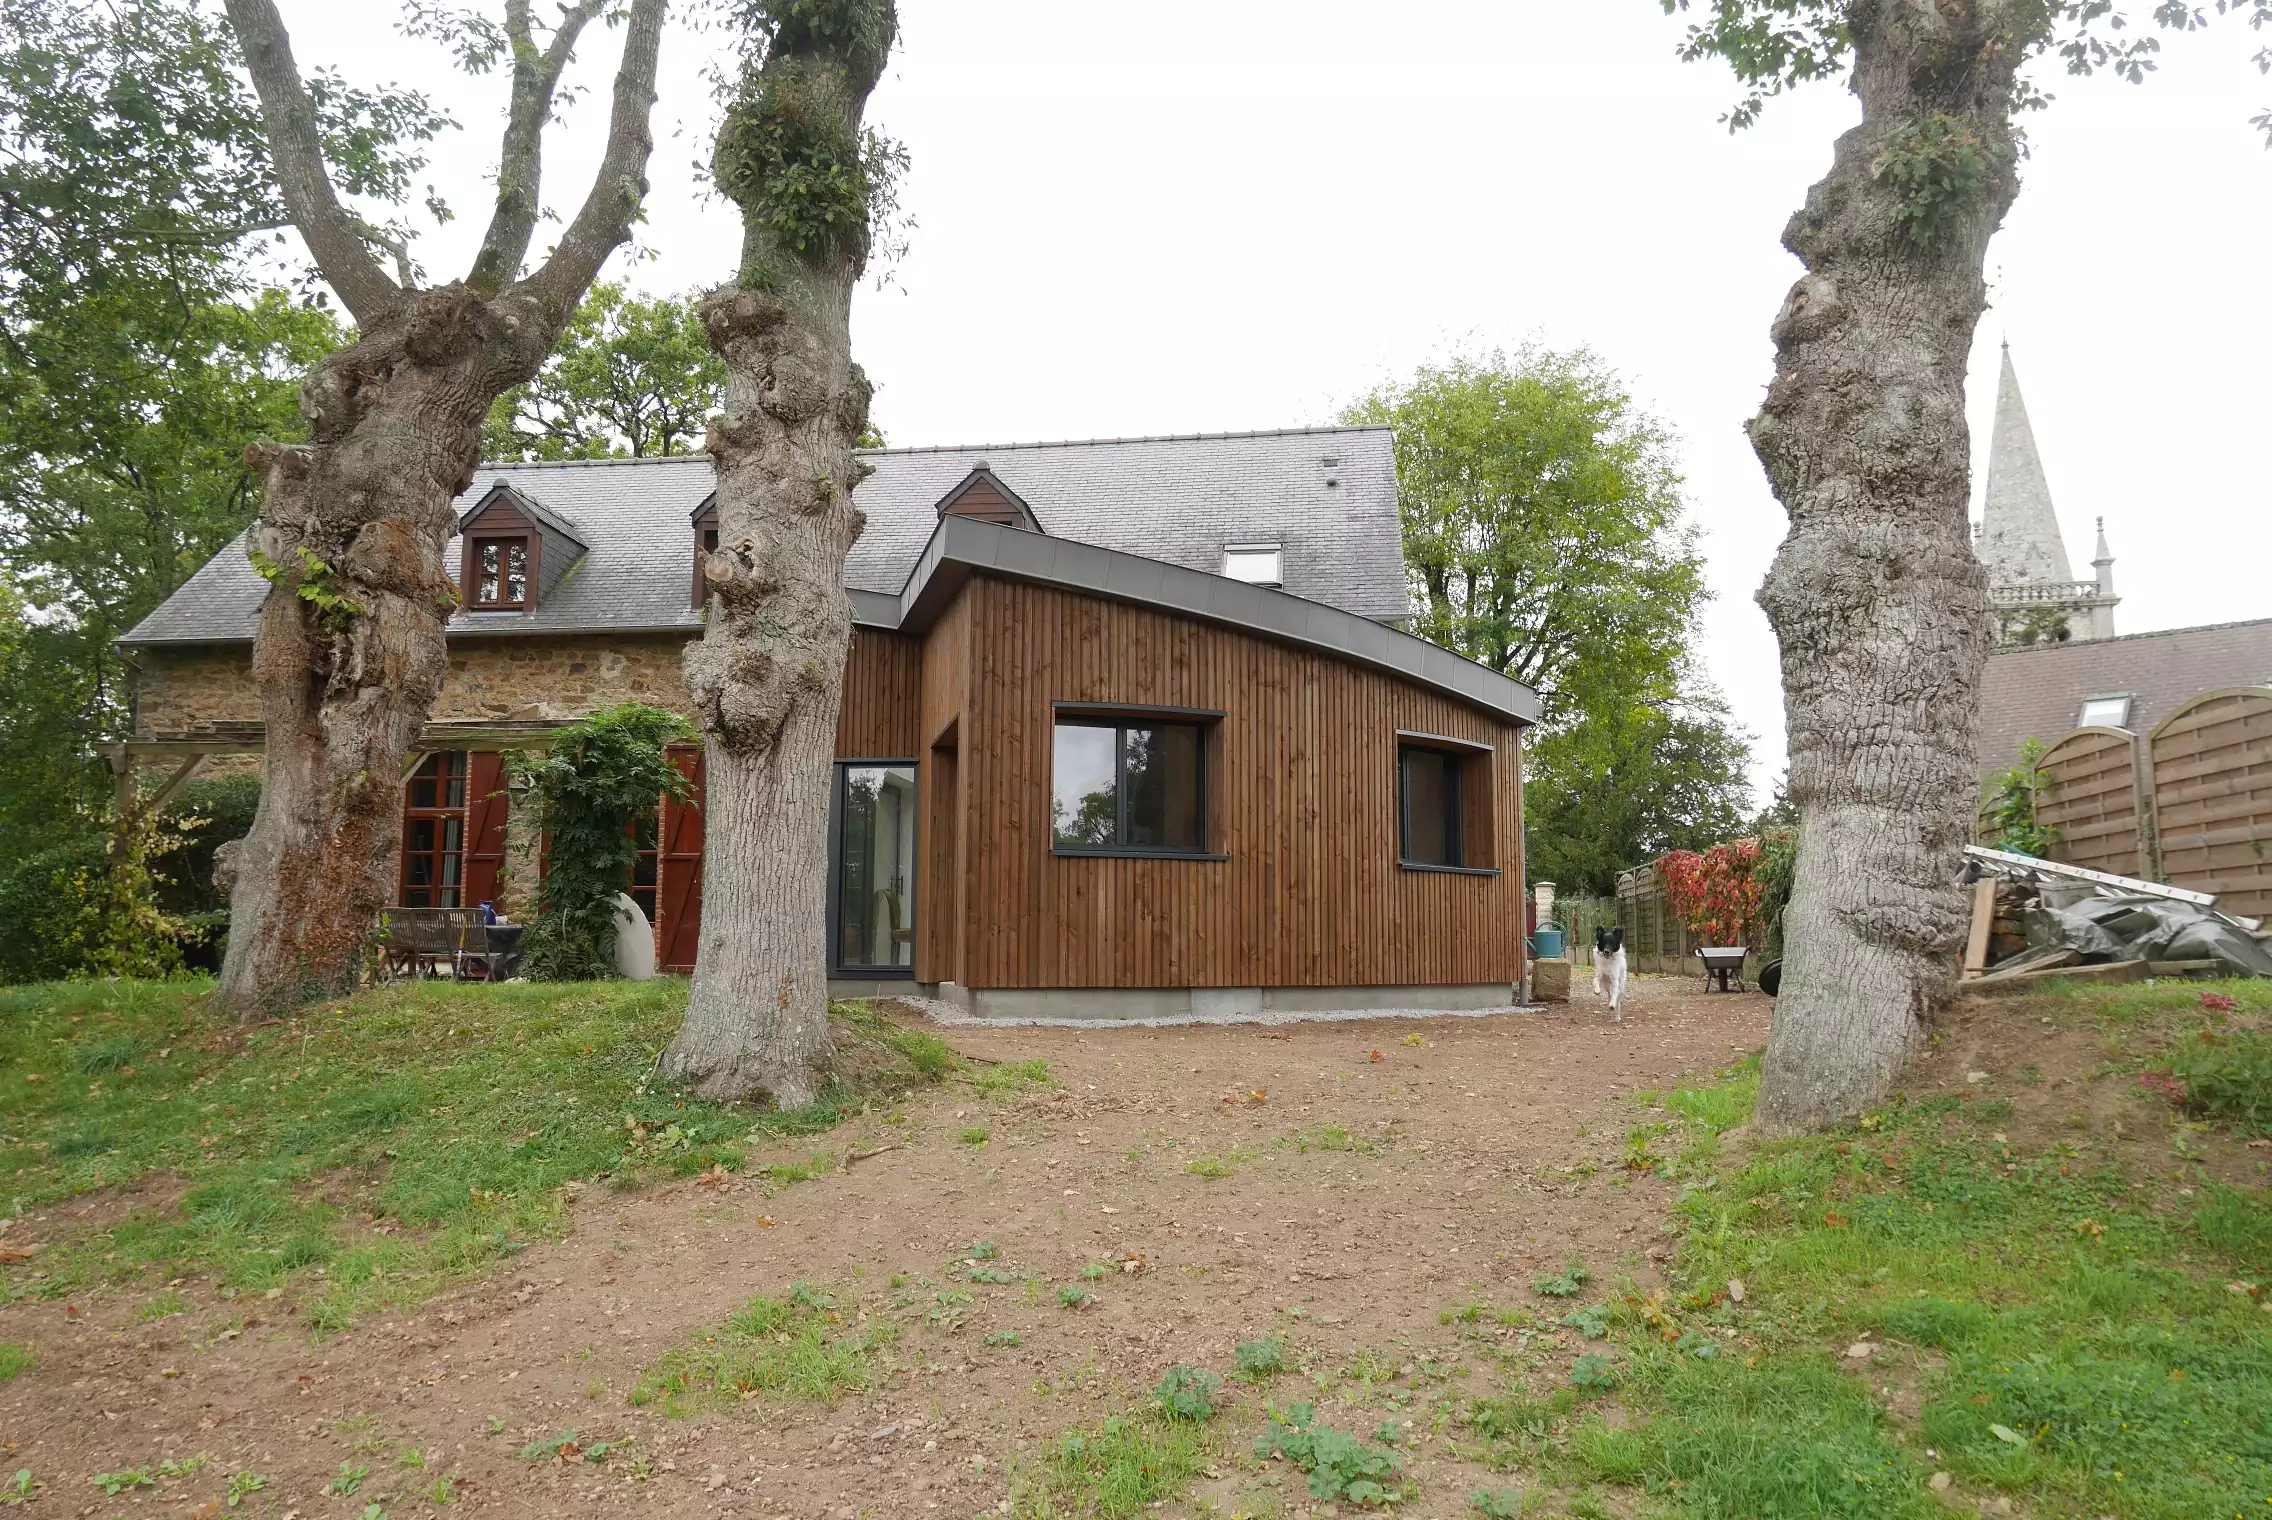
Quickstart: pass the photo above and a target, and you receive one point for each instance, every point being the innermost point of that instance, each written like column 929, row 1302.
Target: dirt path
column 1464, row 1176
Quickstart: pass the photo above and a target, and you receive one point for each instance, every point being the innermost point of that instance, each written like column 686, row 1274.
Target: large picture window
column 433, row 833
column 1135, row 787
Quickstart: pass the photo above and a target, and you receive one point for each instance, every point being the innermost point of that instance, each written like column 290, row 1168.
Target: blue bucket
column 1547, row 943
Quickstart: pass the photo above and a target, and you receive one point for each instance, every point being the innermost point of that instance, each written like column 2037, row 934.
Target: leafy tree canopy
column 1542, row 521
column 1776, row 45
column 1544, row 533
column 632, row 378
column 1628, row 784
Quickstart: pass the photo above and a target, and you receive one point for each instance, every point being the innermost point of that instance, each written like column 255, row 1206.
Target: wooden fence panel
column 2091, row 804
column 2212, row 787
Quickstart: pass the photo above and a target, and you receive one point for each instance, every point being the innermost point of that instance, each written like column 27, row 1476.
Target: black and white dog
column 1609, row 970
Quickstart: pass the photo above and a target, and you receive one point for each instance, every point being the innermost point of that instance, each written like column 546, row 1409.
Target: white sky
column 1211, row 215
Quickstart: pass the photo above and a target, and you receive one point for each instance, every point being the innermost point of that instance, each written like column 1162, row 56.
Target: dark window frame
column 1119, row 718
column 506, row 543
column 835, row 887
column 1461, row 758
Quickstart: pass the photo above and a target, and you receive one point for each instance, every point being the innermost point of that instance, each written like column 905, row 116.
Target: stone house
column 1130, row 716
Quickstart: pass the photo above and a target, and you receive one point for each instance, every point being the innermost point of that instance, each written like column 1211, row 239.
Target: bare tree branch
column 520, row 164
column 333, row 235
column 621, row 184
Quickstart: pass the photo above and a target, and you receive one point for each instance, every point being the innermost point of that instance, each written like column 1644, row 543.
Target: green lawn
column 365, row 1153
column 2072, row 1338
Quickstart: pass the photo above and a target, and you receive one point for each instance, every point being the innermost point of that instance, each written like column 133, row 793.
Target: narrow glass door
column 873, row 874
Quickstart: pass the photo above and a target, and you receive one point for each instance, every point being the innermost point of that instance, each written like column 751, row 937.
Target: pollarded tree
column 768, row 673
column 350, row 654
column 1880, row 606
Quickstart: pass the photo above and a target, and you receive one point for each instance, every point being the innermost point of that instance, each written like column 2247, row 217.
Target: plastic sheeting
column 2106, row 926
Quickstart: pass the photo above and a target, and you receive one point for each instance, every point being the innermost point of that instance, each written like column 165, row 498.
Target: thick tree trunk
column 1881, row 609
column 351, row 651
column 396, row 422
column 768, row 673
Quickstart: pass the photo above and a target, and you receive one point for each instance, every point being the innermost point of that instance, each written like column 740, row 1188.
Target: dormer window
column 705, row 543
column 517, row 551
column 1256, row 564
column 501, row 574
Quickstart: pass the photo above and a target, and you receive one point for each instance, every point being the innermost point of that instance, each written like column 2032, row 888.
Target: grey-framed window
column 2105, row 712
column 873, row 869
column 1428, row 813
column 1446, row 815
column 1128, row 786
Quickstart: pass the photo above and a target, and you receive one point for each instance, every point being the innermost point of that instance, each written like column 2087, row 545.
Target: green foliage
column 1339, row 1465
column 1776, row 45
column 1776, row 872
column 1114, row 1473
column 592, row 787
column 803, row 1346
column 629, row 379
column 313, row 581
column 1942, row 169
column 1498, row 1503
column 16, row 1359
column 1188, row 1393
column 811, row 184
column 1545, row 536
column 2012, row 802
column 1261, row 1360
column 138, row 356
column 1567, row 1283
column 1543, row 524
column 1593, row 1373
column 455, row 1116
column 2226, row 1077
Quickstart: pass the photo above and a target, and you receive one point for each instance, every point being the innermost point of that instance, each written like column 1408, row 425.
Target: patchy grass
column 16, row 1359
column 1012, row 1079
column 1114, row 1472
column 2225, row 1078
column 365, row 1152
column 2079, row 1343
column 804, row 1347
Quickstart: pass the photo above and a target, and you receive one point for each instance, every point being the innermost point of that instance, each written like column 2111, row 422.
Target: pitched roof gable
column 982, row 495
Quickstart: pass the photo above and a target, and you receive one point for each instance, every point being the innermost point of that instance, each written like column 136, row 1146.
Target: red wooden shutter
column 678, row 917
column 485, row 810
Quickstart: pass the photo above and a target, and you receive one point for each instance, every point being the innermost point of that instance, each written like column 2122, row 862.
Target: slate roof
column 1326, row 495
column 2038, row 691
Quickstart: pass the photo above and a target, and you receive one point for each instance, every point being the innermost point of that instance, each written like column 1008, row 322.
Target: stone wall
column 186, row 691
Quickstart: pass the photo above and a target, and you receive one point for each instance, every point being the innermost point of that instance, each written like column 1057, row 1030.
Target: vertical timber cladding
column 2212, row 777
column 2092, row 802
column 1303, row 796
column 944, row 697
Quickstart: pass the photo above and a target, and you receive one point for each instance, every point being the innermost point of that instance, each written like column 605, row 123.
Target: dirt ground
column 1465, row 1176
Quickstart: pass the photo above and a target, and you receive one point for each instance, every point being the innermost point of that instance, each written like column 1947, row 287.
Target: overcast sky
column 1214, row 215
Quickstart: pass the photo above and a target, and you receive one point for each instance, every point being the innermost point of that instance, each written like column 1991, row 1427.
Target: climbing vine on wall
column 591, row 788
column 1719, row 893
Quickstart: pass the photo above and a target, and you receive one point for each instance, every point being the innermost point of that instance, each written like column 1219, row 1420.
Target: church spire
column 2019, row 532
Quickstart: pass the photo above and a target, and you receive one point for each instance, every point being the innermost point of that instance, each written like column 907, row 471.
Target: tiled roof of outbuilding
column 2038, row 692
column 1326, row 495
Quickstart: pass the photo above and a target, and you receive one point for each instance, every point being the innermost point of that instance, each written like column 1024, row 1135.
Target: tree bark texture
column 359, row 515
column 768, row 673
column 1879, row 604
